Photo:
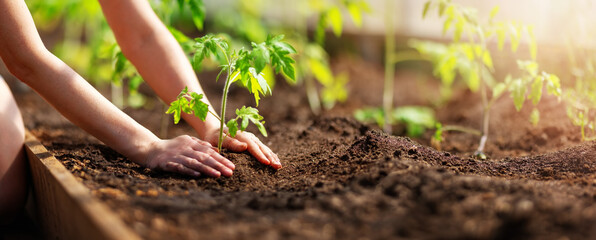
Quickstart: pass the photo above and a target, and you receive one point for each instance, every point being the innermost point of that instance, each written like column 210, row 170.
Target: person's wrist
column 141, row 149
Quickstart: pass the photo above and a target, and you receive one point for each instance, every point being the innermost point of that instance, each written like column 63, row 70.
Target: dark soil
column 345, row 180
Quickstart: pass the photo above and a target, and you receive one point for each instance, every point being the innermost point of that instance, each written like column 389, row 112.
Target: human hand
column 244, row 141
column 188, row 155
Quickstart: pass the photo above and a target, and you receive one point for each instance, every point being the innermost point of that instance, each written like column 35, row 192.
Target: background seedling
column 473, row 60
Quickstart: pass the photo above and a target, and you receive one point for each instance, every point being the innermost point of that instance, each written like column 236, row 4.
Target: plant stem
column 461, row 129
column 224, row 98
column 389, row 70
column 312, row 95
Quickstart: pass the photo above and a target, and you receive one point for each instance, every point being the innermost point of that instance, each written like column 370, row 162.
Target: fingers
column 234, row 145
column 180, row 168
column 204, row 162
column 260, row 150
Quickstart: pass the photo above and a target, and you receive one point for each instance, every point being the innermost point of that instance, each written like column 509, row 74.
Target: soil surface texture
column 346, row 180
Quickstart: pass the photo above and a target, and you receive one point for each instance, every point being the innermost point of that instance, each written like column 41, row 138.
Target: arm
column 149, row 45
column 27, row 58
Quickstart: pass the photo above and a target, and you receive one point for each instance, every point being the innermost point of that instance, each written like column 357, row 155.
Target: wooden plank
column 65, row 207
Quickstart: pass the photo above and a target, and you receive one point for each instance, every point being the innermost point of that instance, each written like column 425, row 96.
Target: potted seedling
column 243, row 66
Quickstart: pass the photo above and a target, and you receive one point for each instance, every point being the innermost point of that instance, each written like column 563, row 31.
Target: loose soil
column 345, row 180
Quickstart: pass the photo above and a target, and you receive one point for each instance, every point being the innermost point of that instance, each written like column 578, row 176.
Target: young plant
column 415, row 119
column 241, row 65
column 473, row 60
column 581, row 99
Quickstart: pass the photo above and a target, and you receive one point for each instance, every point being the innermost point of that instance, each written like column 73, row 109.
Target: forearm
column 158, row 57
column 79, row 102
column 26, row 57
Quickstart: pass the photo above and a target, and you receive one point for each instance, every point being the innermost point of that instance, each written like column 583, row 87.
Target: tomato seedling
column 473, row 60
column 242, row 65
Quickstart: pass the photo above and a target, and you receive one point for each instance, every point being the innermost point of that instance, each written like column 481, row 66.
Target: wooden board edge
column 65, row 207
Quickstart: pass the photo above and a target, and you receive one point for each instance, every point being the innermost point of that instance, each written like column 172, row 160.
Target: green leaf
column 494, row 12
column 252, row 114
column 232, row 127
column 518, row 93
column 200, row 108
column 321, row 71
column 280, row 60
column 179, row 36
column 177, row 107
column 487, row 59
column 355, row 13
column 535, row 116
column 335, row 19
column 417, row 119
column 260, row 55
column 499, row 89
column 442, row 6
column 536, row 90
column 335, row 92
column 500, row 31
column 197, row 10
column 368, row 115
column 426, row 8
column 134, row 83
column 530, row 67
column 553, row 84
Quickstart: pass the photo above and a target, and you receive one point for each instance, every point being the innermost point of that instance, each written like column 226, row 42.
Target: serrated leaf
column 244, row 124
column 232, row 127
column 200, row 108
column 177, row 107
column 252, row 114
column 260, row 56
column 335, row 20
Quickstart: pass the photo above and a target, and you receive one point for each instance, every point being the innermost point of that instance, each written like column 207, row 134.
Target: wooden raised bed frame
column 65, row 207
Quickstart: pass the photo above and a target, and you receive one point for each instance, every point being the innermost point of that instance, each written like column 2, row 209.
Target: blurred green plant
column 245, row 20
column 472, row 59
column 415, row 119
column 580, row 99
